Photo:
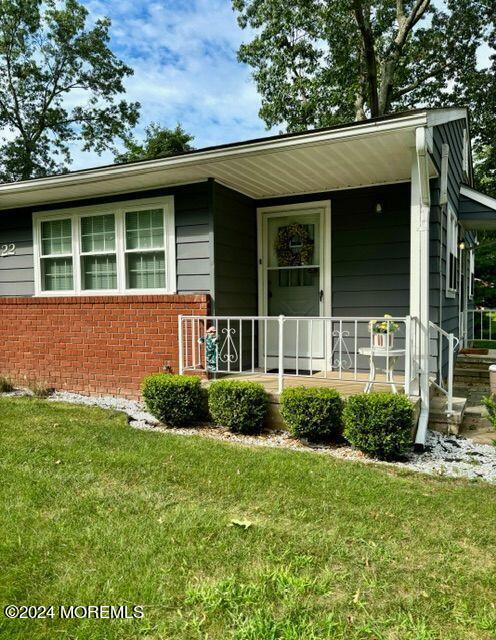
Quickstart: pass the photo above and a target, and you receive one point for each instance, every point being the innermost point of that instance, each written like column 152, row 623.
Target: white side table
column 375, row 352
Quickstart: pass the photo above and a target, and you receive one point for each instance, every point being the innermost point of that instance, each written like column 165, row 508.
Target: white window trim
column 451, row 218
column 118, row 209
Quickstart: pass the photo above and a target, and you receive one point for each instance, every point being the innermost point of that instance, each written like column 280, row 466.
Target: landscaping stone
column 451, row 456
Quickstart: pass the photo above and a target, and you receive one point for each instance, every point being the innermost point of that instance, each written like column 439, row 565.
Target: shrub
column 39, row 389
column 312, row 412
column 174, row 400
column 239, row 405
column 490, row 403
column 6, row 384
column 379, row 424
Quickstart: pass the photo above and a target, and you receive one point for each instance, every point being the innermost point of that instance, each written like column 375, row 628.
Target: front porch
column 338, row 352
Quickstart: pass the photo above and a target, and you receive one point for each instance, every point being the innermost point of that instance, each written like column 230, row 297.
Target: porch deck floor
column 345, row 384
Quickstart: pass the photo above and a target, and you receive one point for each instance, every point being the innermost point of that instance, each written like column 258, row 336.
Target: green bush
column 490, row 403
column 379, row 424
column 174, row 400
column 312, row 412
column 6, row 384
column 239, row 405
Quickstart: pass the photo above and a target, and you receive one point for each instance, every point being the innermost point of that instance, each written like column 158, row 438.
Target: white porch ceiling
column 369, row 153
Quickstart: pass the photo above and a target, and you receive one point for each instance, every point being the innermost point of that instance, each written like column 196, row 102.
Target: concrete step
column 473, row 393
column 475, row 417
column 471, row 376
column 477, row 426
column 476, row 360
column 438, row 419
column 472, row 364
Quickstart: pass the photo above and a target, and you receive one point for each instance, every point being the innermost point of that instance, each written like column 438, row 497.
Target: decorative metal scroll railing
column 340, row 348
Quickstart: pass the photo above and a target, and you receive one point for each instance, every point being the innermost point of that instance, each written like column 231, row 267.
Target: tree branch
column 395, row 48
column 368, row 45
column 427, row 76
column 406, row 23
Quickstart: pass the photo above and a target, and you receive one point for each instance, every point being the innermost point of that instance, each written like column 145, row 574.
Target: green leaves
column 321, row 62
column 173, row 399
column 47, row 53
column 312, row 412
column 240, row 405
column 379, row 424
column 160, row 142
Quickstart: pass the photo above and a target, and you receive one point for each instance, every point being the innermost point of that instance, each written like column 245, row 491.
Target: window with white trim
column 471, row 274
column 452, row 254
column 145, row 255
column 56, row 255
column 121, row 248
column 98, row 252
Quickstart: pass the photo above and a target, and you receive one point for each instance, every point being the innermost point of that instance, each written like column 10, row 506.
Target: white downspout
column 420, row 268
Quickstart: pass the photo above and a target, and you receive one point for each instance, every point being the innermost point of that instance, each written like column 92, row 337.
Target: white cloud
column 185, row 68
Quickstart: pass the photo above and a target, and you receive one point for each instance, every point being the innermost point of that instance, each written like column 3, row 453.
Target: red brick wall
column 97, row 345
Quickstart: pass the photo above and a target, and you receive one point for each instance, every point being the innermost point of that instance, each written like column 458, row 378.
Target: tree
column 159, row 142
column 322, row 62
column 59, row 84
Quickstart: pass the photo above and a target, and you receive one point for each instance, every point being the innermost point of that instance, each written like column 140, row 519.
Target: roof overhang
column 476, row 210
column 363, row 153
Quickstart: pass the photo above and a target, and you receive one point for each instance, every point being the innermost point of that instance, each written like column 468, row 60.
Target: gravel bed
column 451, row 456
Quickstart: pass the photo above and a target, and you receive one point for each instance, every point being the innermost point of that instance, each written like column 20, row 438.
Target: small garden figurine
column 210, row 340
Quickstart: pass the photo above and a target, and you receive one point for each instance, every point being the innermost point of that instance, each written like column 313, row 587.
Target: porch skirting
column 92, row 345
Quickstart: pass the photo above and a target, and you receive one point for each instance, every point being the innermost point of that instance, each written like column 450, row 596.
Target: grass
column 483, row 344
column 95, row 512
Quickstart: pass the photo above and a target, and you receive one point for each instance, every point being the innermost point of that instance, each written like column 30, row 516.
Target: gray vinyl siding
column 194, row 251
column 235, row 253
column 17, row 271
column 444, row 309
column 470, row 210
column 193, row 241
column 370, row 252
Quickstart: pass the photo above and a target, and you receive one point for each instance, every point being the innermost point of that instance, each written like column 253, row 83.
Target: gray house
column 275, row 258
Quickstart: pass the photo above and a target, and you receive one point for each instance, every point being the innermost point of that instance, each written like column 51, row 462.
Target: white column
column 419, row 270
column 415, row 267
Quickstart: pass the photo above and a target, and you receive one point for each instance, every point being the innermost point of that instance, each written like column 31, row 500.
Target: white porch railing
column 339, row 348
column 447, row 344
column 481, row 324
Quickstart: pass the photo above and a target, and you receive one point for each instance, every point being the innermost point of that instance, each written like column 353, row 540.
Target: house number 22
column 7, row 250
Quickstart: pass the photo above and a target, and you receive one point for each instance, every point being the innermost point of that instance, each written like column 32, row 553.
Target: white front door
column 294, row 281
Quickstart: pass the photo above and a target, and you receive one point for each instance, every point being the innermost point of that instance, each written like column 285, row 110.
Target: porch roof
column 476, row 210
column 364, row 153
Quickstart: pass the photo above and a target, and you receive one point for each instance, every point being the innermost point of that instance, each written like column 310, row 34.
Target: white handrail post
column 408, row 347
column 180, row 340
column 280, row 372
column 450, row 373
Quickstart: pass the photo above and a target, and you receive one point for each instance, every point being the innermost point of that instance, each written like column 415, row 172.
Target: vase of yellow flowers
column 383, row 332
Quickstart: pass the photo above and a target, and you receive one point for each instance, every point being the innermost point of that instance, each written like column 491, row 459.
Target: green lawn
column 483, row 344
column 95, row 512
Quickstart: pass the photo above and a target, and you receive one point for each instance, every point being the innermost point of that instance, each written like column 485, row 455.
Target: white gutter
column 421, row 202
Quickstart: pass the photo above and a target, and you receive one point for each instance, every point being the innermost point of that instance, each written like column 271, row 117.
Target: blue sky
column 185, row 70
column 183, row 53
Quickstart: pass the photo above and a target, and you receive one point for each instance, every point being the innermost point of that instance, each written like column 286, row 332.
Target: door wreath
column 288, row 255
